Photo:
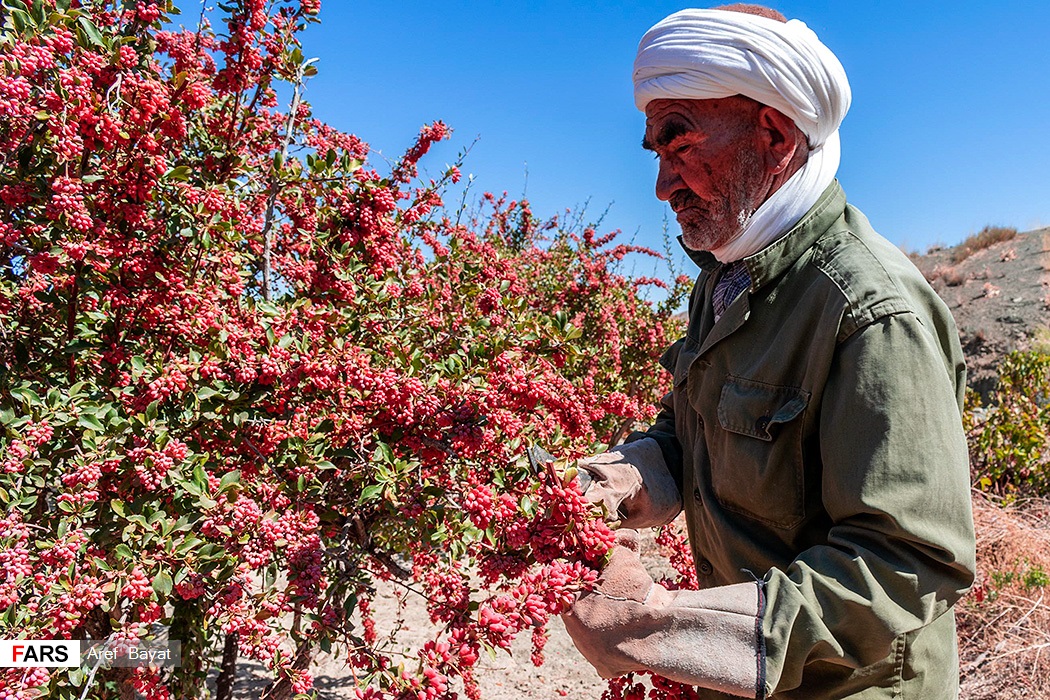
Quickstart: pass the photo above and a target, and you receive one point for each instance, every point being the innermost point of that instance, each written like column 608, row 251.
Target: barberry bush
column 245, row 375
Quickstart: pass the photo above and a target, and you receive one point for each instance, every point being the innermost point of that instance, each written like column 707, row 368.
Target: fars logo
column 48, row 653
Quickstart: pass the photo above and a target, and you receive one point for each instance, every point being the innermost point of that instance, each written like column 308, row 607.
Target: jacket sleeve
column 895, row 483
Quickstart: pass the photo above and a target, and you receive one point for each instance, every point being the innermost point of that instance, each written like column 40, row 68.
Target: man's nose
column 667, row 181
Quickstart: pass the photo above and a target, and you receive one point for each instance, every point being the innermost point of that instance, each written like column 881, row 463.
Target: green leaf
column 206, row 392
column 117, row 507
column 211, row 551
column 370, row 493
column 187, row 545
column 124, row 552
column 229, row 479
column 21, row 19
column 26, row 396
column 86, row 420
column 199, row 475
column 162, row 583
column 90, row 31
column 383, row 453
column 191, row 487
column 181, row 173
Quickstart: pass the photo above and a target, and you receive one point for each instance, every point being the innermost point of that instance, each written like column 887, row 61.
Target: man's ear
column 781, row 138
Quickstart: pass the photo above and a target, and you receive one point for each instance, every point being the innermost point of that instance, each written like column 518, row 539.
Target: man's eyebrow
column 668, row 133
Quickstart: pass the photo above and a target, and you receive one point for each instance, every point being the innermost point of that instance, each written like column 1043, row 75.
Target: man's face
column 711, row 170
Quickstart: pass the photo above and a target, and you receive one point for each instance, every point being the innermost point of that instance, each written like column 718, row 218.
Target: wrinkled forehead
column 712, row 113
column 659, row 111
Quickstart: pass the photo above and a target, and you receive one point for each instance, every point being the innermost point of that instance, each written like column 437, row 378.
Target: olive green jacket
column 815, row 435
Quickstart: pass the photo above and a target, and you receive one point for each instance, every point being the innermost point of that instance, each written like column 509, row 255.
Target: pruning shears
column 542, row 460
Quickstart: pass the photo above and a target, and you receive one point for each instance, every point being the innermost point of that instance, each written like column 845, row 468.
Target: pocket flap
column 756, row 409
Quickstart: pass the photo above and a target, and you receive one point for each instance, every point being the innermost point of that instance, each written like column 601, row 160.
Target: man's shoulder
column 875, row 278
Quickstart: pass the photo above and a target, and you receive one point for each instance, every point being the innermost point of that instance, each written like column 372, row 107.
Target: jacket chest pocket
column 756, row 457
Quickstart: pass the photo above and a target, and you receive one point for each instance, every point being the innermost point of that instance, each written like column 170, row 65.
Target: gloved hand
column 634, row 484
column 624, row 576
column 705, row 638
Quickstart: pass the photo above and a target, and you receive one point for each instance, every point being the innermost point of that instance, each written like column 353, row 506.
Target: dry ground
column 1004, row 624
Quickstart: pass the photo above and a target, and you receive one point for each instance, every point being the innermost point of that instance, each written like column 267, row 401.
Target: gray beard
column 715, row 236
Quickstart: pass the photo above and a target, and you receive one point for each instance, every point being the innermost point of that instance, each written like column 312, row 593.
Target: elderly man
column 813, row 434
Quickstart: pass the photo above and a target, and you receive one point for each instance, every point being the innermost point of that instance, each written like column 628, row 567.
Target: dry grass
column 1040, row 340
column 985, row 238
column 1004, row 623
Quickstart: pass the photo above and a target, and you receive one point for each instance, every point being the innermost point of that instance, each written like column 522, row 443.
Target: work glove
column 633, row 483
column 628, row 623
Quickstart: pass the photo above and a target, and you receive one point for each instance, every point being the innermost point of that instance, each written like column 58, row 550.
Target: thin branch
column 271, row 200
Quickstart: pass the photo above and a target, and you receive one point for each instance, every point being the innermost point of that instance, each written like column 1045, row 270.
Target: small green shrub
column 1026, row 575
column 1035, row 577
column 1002, row 579
column 1010, row 439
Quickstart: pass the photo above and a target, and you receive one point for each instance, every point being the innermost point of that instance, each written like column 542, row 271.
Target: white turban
column 709, row 54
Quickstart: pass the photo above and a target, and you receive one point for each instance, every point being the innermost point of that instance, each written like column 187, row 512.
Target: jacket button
column 762, row 423
column 705, row 567
column 696, row 496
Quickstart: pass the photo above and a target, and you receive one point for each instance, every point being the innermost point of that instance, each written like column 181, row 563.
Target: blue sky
column 948, row 130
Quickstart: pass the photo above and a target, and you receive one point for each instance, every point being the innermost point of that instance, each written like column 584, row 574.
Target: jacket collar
column 770, row 262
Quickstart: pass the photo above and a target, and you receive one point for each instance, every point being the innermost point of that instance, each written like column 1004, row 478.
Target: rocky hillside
column 999, row 295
